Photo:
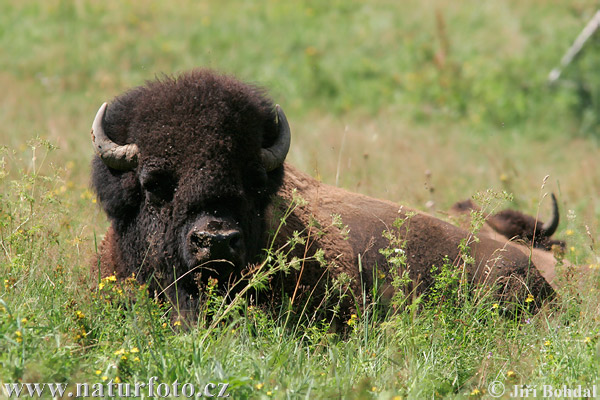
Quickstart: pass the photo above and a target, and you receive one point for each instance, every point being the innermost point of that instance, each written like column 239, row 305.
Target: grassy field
column 418, row 102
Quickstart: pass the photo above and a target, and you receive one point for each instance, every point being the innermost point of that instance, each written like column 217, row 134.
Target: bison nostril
column 235, row 241
column 222, row 245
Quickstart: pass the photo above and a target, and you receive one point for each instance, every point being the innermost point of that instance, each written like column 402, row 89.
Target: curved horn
column 121, row 157
column 549, row 227
column 272, row 157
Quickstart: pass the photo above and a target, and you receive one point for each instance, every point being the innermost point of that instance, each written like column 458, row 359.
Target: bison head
column 515, row 225
column 185, row 168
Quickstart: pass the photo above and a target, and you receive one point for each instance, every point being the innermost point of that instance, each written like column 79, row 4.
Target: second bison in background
column 191, row 173
column 514, row 225
column 532, row 236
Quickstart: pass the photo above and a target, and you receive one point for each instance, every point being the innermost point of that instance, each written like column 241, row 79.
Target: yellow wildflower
column 119, row 352
column 134, row 350
column 352, row 320
column 259, row 386
column 495, row 305
column 104, row 377
column 98, row 372
column 529, row 298
column 117, row 379
column 177, row 323
column 569, row 232
column 547, row 343
column 79, row 314
column 86, row 195
column 475, row 392
column 511, row 374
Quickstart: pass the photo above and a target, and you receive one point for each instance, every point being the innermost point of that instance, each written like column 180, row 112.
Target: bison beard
column 191, row 175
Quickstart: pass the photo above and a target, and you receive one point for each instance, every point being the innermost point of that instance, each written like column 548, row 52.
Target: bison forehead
column 199, row 115
column 209, row 183
column 202, row 104
column 189, row 138
column 199, row 148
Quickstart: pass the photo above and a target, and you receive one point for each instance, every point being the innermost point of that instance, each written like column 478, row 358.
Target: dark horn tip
column 550, row 226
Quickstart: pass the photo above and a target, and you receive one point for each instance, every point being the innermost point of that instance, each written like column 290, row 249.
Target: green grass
column 415, row 102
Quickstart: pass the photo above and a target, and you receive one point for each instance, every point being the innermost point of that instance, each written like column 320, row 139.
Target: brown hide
column 429, row 241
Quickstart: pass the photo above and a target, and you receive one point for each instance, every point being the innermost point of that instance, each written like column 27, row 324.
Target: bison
column 532, row 236
column 515, row 225
column 190, row 171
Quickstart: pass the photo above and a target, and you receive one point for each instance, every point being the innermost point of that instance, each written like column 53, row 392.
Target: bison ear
column 274, row 155
column 119, row 192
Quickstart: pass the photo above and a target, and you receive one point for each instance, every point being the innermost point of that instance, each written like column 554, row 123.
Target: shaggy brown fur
column 429, row 241
column 199, row 137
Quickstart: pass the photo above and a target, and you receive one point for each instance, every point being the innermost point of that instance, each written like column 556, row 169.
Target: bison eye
column 160, row 186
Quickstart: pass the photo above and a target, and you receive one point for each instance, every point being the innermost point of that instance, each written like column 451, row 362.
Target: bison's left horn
column 272, row 157
column 549, row 227
column 121, row 157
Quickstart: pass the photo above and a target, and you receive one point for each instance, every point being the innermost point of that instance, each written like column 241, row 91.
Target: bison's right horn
column 121, row 157
column 272, row 157
column 549, row 227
